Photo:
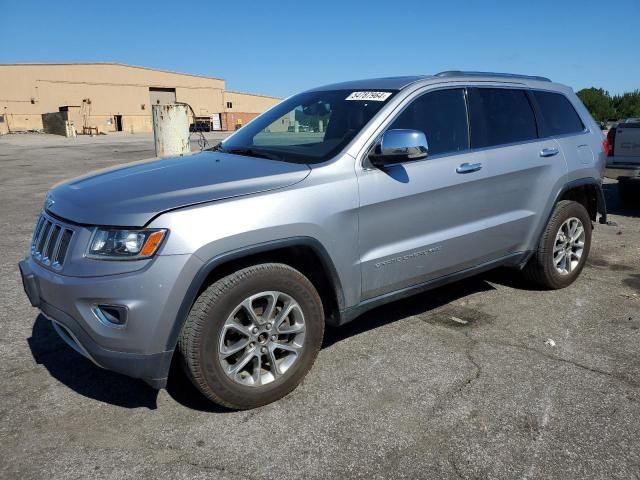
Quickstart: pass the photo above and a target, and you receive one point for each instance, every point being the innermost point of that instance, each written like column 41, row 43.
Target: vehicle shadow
column 410, row 306
column 83, row 376
column 512, row 278
column 182, row 390
column 87, row 379
column 615, row 206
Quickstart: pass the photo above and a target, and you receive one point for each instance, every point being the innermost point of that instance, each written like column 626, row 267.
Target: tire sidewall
column 564, row 212
column 287, row 281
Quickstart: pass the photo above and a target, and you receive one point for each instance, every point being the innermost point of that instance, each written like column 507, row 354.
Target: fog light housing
column 111, row 315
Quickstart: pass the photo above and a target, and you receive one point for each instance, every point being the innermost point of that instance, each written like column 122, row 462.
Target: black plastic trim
column 628, row 180
column 601, row 205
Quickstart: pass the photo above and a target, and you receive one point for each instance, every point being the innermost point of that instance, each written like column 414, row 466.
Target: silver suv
column 233, row 260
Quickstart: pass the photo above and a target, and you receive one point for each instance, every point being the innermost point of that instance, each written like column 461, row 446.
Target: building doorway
column 118, row 120
column 216, row 124
column 162, row 96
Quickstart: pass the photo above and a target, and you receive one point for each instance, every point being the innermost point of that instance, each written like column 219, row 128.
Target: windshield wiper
column 250, row 152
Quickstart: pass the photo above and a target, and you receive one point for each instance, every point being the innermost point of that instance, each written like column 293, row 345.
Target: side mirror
column 398, row 146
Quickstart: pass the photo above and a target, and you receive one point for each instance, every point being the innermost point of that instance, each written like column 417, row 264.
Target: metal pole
column 171, row 129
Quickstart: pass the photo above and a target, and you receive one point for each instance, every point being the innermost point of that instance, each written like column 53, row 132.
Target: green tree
column 627, row 105
column 598, row 102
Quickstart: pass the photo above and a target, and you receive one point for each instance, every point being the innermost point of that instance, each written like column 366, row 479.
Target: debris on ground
column 629, row 295
column 550, row 342
column 459, row 320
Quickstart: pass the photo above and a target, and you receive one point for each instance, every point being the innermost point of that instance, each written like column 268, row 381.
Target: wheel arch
column 588, row 192
column 305, row 254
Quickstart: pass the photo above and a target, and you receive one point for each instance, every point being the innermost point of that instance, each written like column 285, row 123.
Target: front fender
column 210, row 265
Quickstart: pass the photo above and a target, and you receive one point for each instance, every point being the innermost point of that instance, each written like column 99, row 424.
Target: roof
column 109, row 63
column 398, row 83
column 386, row 83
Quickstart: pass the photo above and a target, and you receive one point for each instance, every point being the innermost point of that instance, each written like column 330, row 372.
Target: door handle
column 548, row 152
column 469, row 167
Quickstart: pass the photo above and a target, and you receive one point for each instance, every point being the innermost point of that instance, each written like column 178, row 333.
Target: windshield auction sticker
column 369, row 96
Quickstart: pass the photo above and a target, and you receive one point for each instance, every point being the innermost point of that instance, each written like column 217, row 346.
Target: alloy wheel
column 262, row 338
column 568, row 246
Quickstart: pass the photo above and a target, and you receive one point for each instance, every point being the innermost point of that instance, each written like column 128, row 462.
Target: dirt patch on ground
column 633, row 281
column 597, row 260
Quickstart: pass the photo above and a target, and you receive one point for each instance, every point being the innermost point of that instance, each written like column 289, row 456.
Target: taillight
column 609, row 142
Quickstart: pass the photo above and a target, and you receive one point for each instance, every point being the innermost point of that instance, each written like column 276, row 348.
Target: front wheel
column 563, row 248
column 252, row 336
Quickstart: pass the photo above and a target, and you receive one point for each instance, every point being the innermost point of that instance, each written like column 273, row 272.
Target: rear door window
column 500, row 116
column 442, row 116
column 560, row 118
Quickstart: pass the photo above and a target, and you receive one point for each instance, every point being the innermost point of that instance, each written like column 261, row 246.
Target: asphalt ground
column 454, row 383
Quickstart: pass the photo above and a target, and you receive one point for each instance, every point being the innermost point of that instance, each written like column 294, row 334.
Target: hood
column 131, row 196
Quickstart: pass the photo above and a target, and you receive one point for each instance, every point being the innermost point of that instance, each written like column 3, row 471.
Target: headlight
column 115, row 243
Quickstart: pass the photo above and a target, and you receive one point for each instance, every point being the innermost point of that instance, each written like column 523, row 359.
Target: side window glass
column 559, row 115
column 499, row 116
column 442, row 116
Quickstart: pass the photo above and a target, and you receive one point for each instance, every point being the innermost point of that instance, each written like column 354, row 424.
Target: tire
column 541, row 268
column 221, row 320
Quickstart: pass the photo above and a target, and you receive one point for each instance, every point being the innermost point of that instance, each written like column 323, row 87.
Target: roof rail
column 460, row 73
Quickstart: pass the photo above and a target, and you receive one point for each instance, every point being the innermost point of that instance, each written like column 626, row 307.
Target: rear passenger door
column 560, row 121
column 523, row 169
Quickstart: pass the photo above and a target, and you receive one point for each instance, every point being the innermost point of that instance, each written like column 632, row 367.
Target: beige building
column 110, row 97
column 240, row 107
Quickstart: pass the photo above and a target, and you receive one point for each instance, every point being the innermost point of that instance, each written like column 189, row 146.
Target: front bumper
column 138, row 349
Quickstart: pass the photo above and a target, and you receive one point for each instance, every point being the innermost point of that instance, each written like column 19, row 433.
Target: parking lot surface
column 484, row 378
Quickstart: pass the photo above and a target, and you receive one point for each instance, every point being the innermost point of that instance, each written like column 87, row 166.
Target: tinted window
column 442, row 116
column 500, row 116
column 559, row 115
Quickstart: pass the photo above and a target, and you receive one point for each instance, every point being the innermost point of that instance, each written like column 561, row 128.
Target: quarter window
column 559, row 115
column 442, row 116
column 499, row 116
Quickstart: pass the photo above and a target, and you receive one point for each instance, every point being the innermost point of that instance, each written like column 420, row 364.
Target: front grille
column 50, row 242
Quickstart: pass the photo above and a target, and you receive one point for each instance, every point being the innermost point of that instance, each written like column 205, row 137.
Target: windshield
column 308, row 128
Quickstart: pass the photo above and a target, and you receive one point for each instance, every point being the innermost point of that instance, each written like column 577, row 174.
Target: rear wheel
column 563, row 248
column 252, row 336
